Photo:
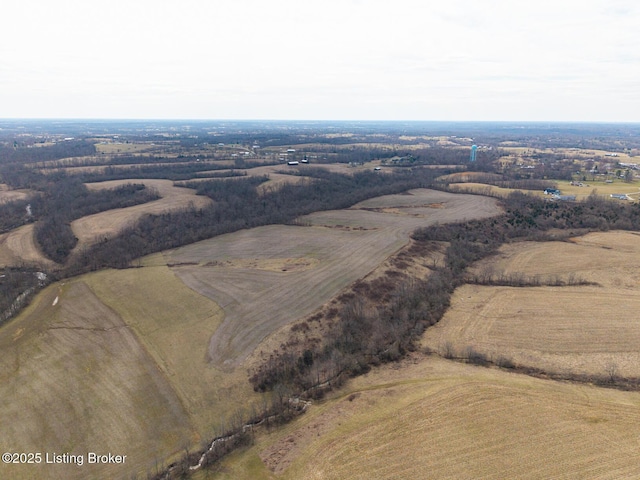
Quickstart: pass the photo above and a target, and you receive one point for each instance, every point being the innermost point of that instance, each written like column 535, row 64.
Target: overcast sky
column 537, row 60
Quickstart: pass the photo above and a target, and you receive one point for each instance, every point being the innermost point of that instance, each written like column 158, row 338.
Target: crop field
column 581, row 190
column 114, row 361
column 591, row 330
column 75, row 379
column 175, row 324
column 114, row 147
column 332, row 251
column 134, row 346
column 18, row 246
column 431, row 418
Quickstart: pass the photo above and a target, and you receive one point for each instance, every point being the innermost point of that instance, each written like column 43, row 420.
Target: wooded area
column 374, row 321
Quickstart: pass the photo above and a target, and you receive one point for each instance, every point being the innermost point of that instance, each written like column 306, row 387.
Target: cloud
column 330, row 59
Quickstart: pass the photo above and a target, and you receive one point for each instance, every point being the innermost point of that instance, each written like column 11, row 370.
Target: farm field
column 602, row 189
column 155, row 360
column 431, row 418
column 118, row 147
column 590, row 330
column 9, row 195
column 76, row 379
column 267, row 277
column 115, row 361
column 484, row 189
column 93, row 227
column 134, row 346
column 18, row 246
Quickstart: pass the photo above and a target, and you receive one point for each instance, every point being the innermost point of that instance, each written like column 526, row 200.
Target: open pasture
column 602, row 189
column 134, row 346
column 124, row 148
column 591, row 330
column 338, row 247
column 114, row 361
column 430, row 418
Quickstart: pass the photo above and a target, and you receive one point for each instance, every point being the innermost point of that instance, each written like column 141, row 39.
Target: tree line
column 33, row 154
column 176, row 172
column 59, row 200
column 69, row 200
column 363, row 332
column 238, row 205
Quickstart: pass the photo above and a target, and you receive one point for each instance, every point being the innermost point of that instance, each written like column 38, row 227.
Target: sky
column 446, row 60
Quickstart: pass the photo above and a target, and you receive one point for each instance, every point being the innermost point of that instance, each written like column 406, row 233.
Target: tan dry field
column 92, row 227
column 175, row 324
column 9, row 195
column 484, row 189
column 337, row 248
column 114, row 361
column 276, row 180
column 428, row 418
column 463, row 177
column 599, row 187
column 565, row 330
column 76, row 379
column 118, row 361
column 18, row 247
column 112, row 147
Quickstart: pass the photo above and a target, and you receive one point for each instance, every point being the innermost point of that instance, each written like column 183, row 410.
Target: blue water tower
column 474, row 151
